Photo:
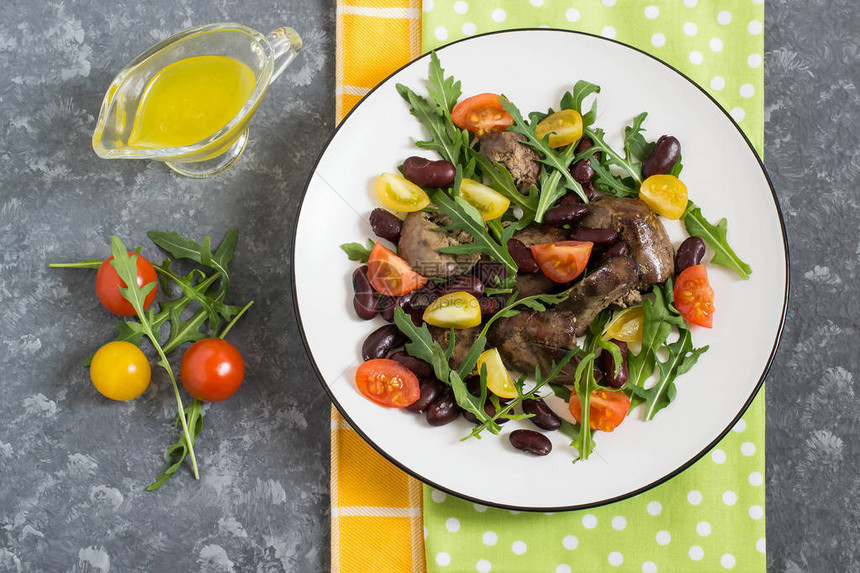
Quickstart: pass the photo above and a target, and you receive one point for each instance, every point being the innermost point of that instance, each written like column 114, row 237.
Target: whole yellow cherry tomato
column 498, row 380
column 120, row 371
column 490, row 203
column 665, row 194
column 564, row 127
column 454, row 310
column 400, row 194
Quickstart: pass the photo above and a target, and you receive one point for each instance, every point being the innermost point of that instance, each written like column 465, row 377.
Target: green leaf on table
column 183, row 248
column 176, row 452
column 126, row 267
column 715, row 236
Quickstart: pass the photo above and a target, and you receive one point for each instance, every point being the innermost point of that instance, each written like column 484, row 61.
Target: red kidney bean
column 531, row 442
column 689, row 253
column 419, row 367
column 565, row 214
column 543, row 417
column 600, row 237
column 582, row 171
column 489, row 305
column 424, row 296
column 387, row 304
column 490, row 410
column 443, row 410
column 523, row 257
column 430, row 390
column 463, row 283
column 607, row 367
column 426, row 173
column 385, row 225
column 382, row 341
column 365, row 303
column 663, row 157
column 417, row 315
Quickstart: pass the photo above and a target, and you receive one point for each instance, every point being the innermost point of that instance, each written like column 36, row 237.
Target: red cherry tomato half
column 481, row 113
column 108, row 284
column 212, row 369
column 606, row 409
column 387, row 382
column 562, row 261
column 389, row 274
column 694, row 297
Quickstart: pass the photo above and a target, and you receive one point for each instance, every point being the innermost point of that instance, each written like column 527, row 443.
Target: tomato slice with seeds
column 481, row 113
column 694, row 297
column 388, row 383
column 454, row 310
column 389, row 274
column 400, row 193
column 564, row 127
column 606, row 409
column 562, row 261
column 665, row 194
column 499, row 381
column 490, row 203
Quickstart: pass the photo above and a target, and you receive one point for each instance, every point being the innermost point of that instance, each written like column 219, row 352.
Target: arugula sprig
column 555, row 178
column 126, row 268
column 466, row 218
column 715, row 236
column 434, row 113
column 659, row 316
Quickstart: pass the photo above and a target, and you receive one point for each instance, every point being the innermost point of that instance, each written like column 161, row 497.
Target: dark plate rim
column 602, row 502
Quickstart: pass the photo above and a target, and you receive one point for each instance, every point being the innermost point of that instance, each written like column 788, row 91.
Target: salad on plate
column 529, row 245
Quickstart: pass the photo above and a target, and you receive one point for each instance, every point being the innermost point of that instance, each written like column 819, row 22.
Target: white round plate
column 533, row 68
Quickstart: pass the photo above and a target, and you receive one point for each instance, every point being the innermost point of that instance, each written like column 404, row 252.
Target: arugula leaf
column 574, row 100
column 422, row 345
column 90, row 264
column 655, row 331
column 183, row 248
column 176, row 453
column 568, row 429
column 605, row 179
column 551, row 159
column 715, row 237
column 635, row 146
column 466, row 218
column 682, row 357
column 676, row 169
column 499, row 178
column 585, row 383
column 444, row 91
column 358, row 252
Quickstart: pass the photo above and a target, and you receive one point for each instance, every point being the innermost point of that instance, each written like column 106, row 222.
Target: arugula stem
column 166, row 365
column 235, row 318
column 92, row 264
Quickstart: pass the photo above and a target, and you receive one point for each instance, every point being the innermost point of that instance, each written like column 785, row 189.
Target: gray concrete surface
column 73, row 467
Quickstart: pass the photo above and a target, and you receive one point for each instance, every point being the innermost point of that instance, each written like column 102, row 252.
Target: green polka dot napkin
column 711, row 517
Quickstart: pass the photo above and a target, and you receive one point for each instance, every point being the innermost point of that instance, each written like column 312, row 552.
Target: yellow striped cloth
column 376, row 516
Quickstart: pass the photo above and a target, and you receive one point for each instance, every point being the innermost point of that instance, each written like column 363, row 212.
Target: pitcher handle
column 286, row 44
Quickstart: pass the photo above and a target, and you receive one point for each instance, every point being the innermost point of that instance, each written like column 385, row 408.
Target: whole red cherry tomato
column 108, row 284
column 212, row 369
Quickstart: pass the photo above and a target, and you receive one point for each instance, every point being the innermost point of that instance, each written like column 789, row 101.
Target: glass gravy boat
column 266, row 56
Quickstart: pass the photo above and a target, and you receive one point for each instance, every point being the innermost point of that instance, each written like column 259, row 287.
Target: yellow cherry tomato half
column 120, row 371
column 665, row 194
column 626, row 325
column 490, row 203
column 564, row 127
column 498, row 380
column 400, row 194
column 454, row 310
